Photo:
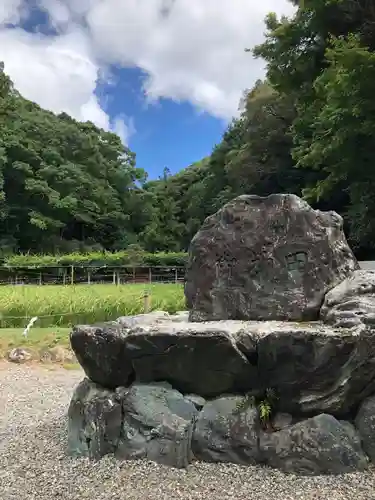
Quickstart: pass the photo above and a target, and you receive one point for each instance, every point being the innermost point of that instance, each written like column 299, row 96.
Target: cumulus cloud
column 190, row 50
column 58, row 73
column 10, row 11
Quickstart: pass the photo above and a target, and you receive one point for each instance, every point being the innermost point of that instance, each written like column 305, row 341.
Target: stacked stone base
column 164, row 389
column 158, row 423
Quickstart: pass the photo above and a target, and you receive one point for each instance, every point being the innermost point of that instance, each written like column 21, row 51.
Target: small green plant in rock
column 264, row 405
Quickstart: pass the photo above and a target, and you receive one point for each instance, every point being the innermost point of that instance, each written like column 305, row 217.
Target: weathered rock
column 20, row 355
column 203, row 360
column 281, row 421
column 100, row 350
column 313, row 368
column 151, row 318
column 195, row 358
column 365, row 423
column 157, row 425
column 197, row 401
column 319, row 445
column 352, row 302
column 181, row 316
column 227, row 431
column 94, row 421
column 266, row 258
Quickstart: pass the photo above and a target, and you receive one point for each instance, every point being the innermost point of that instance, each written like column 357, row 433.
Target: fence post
column 147, row 301
column 176, row 275
column 150, row 275
column 88, row 277
column 72, row 275
column 133, row 274
column 64, row 277
column 118, row 278
column 40, row 278
column 114, row 278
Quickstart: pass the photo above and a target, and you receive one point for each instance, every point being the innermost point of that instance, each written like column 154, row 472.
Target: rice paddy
column 64, row 306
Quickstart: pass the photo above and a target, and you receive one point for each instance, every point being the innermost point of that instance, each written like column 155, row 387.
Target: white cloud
column 195, row 52
column 58, row 11
column 124, row 127
column 10, row 11
column 58, row 73
column 190, row 49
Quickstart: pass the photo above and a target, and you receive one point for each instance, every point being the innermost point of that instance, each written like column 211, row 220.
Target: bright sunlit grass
column 64, row 306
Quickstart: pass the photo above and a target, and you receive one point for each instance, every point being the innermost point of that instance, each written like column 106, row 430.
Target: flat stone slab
column 312, row 367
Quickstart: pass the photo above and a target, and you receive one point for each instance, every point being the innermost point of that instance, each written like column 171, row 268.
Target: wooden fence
column 120, row 275
column 74, row 275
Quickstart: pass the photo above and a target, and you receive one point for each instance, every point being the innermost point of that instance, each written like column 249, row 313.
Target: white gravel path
column 34, row 465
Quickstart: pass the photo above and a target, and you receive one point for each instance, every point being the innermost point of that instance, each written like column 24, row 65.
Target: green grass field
column 60, row 307
column 65, row 306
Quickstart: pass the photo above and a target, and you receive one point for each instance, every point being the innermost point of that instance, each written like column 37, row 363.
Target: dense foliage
column 128, row 257
column 308, row 128
column 65, row 185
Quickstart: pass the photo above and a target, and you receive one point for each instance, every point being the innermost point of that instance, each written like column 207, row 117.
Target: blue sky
column 163, row 134
column 167, row 133
column 166, row 75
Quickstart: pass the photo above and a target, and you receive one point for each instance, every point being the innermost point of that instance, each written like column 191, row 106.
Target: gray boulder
column 365, row 424
column 100, row 350
column 157, row 425
column 319, row 445
column 271, row 258
column 316, row 369
column 94, row 421
column 227, row 431
column 197, row 401
column 352, row 302
column 20, row 355
column 201, row 359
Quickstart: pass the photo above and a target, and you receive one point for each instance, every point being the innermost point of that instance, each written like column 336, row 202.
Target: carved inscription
column 296, row 261
column 278, row 225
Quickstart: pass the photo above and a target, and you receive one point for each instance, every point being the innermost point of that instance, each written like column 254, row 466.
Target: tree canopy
column 308, row 128
column 65, row 185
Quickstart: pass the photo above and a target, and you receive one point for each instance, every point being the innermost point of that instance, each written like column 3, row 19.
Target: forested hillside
column 308, row 128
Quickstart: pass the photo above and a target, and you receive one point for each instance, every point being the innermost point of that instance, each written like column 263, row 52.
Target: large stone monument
column 264, row 259
column 274, row 363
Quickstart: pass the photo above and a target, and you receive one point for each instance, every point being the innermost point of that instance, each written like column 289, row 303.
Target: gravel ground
column 33, row 463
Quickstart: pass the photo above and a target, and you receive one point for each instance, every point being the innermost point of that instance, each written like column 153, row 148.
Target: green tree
column 319, row 56
column 343, row 134
column 65, row 184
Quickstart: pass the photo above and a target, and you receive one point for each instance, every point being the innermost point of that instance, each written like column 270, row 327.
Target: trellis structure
column 74, row 275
